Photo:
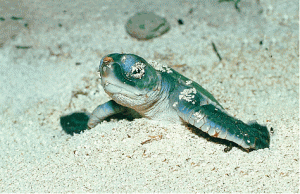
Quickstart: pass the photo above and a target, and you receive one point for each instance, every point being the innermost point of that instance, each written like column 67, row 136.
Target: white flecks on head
column 123, row 59
column 188, row 82
column 138, row 70
column 160, row 67
column 187, row 95
column 175, row 104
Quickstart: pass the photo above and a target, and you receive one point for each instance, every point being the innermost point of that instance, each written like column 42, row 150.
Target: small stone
column 146, row 25
column 180, row 21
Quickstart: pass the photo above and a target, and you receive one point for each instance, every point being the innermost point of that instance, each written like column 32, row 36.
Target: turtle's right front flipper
column 217, row 123
column 220, row 124
column 103, row 111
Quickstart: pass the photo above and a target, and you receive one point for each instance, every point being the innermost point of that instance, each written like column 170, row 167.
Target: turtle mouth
column 113, row 88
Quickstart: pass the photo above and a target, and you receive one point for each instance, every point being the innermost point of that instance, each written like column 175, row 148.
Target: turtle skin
column 159, row 92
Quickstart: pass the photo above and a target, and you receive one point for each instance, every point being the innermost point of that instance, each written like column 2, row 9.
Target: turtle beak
column 110, row 72
column 105, row 65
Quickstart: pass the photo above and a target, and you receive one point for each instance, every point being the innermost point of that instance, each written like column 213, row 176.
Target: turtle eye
column 138, row 70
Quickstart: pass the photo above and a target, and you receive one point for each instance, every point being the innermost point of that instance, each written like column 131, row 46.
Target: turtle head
column 129, row 80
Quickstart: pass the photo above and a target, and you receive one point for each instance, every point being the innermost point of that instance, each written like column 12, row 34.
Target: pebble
column 146, row 25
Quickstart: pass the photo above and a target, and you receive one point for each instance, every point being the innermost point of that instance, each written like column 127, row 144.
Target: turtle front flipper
column 200, row 111
column 103, row 111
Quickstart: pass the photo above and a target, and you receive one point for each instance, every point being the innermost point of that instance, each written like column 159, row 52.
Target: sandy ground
column 258, row 79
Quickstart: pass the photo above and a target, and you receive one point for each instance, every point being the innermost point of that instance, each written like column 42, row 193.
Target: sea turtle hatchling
column 158, row 92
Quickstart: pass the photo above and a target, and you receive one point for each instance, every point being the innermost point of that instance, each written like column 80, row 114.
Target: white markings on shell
column 160, row 67
column 187, row 95
column 175, row 104
column 138, row 70
column 123, row 59
column 198, row 116
column 188, row 82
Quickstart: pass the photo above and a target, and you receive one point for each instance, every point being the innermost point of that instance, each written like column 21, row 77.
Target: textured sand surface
column 258, row 79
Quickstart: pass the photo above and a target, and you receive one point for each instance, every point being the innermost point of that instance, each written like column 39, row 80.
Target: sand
column 258, row 79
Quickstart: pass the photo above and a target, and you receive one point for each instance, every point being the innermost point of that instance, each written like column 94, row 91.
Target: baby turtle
column 160, row 93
